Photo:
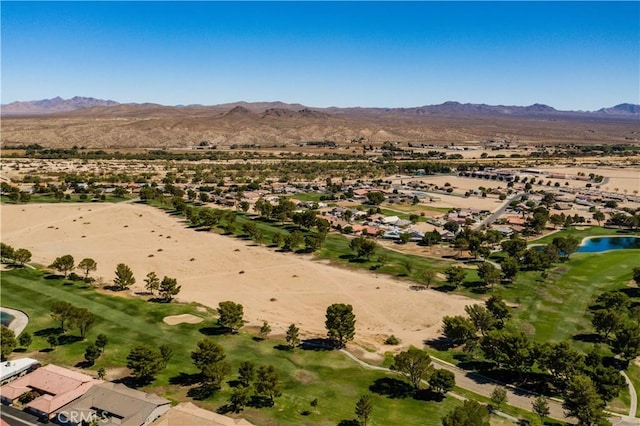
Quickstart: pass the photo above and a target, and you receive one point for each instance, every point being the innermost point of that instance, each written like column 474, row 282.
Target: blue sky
column 570, row 55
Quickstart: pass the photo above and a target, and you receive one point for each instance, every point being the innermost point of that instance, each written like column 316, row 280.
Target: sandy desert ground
column 281, row 288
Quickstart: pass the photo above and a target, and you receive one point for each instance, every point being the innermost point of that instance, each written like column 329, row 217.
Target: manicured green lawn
column 330, row 376
column 556, row 308
column 75, row 198
column 308, row 196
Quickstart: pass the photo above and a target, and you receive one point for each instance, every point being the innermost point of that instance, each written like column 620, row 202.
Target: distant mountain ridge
column 54, row 105
column 281, row 109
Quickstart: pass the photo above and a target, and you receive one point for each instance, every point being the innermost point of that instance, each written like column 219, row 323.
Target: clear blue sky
column 570, row 55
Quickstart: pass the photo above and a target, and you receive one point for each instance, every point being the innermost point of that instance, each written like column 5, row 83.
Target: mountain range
column 95, row 123
column 59, row 105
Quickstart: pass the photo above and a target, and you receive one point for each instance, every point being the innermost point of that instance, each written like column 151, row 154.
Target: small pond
column 6, row 318
column 599, row 244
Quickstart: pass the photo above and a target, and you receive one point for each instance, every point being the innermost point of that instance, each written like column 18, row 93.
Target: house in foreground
column 113, row 404
column 44, row 391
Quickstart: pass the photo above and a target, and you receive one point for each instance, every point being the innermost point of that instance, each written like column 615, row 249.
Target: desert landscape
column 213, row 268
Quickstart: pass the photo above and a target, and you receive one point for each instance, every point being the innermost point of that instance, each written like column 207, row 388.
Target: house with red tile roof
column 54, row 386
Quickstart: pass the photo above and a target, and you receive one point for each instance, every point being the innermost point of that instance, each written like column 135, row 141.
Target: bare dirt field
column 281, row 288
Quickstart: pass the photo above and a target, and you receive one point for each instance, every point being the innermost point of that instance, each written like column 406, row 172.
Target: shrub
column 392, row 340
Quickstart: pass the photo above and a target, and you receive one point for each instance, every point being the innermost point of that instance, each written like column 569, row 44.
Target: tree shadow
column 46, row 332
column 428, row 395
column 83, row 364
column 350, row 422
column 445, row 288
column 186, row 379
column 439, row 343
column 53, row 277
column 67, row 339
column 113, row 288
column 282, row 347
column 391, row 388
column 202, row 392
column 318, row 344
column 134, row 382
column 214, row 331
column 588, row 337
column 45, row 350
column 260, row 401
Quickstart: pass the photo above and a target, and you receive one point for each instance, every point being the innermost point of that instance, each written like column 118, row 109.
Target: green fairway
column 556, row 308
column 330, row 376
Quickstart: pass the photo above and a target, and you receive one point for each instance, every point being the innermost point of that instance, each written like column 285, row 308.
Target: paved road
column 516, row 397
column 15, row 417
column 497, row 213
column 482, row 386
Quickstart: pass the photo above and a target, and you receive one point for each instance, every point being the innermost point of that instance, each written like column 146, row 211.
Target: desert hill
column 93, row 123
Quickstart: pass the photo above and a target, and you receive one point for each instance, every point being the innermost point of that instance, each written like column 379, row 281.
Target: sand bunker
column 281, row 288
column 184, row 318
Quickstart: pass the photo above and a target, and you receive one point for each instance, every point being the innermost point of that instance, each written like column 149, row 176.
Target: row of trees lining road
column 586, row 382
column 8, row 253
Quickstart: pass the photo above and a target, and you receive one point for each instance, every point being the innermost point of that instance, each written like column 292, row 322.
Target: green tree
column 540, row 406
column 101, row 373
column 7, row 342
column 151, row 282
column 340, row 323
column 6, row 252
column 87, row 265
column 83, row 319
column 22, row 256
column 415, row 364
column 293, row 241
column 63, row 264
column 581, row 400
column 375, row 198
column 561, row 360
column 470, row 413
column 458, row 329
column 442, row 381
column 268, row 382
column 61, row 311
column 499, row 396
column 481, row 318
column 455, row 275
column 265, row 330
column 598, row 216
column 168, row 288
column 230, row 316
column 364, row 247
column 636, row 274
column 429, row 276
column 166, row 353
column 101, row 342
column 608, row 382
column 498, row 309
column 364, row 408
column 566, row 245
column 514, row 247
column 514, row 351
column 209, row 359
column 293, row 336
column 91, row 354
column 124, row 277
column 510, row 268
column 626, row 342
column 239, row 398
column 606, row 321
column 145, row 362
column 246, row 373
column 489, row 274
column 25, row 339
